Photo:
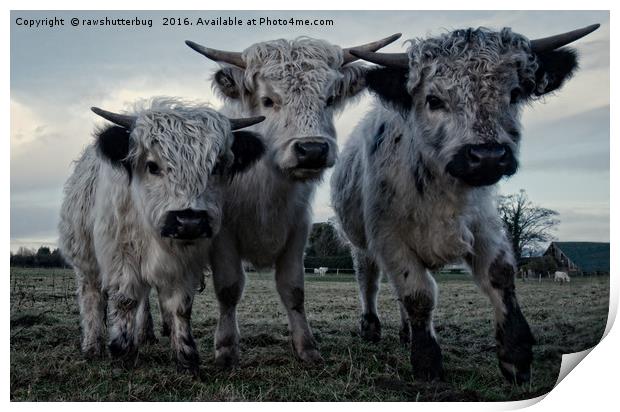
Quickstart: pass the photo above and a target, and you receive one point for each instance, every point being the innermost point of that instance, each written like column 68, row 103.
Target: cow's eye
column 329, row 101
column 515, row 95
column 434, row 102
column 153, row 168
column 267, row 102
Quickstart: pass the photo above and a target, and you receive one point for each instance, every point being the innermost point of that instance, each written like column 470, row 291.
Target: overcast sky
column 58, row 73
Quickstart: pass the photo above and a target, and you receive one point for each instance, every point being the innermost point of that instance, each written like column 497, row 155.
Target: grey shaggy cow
column 297, row 85
column 413, row 189
column 138, row 212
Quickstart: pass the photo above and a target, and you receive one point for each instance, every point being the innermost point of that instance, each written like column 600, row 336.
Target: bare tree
column 527, row 225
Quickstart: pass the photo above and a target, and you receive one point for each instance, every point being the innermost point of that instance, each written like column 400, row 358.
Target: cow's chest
column 264, row 222
column 435, row 233
column 438, row 239
column 261, row 241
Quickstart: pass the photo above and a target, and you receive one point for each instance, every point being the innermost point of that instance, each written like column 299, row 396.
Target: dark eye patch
column 267, row 102
column 153, row 168
column 434, row 102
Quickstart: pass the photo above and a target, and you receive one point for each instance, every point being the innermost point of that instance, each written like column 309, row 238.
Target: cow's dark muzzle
column 482, row 164
column 311, row 155
column 188, row 224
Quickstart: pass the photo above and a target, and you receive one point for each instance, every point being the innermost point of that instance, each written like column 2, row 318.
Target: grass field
column 46, row 362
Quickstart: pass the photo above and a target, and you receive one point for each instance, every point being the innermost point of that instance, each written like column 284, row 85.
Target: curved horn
column 122, row 120
column 384, row 59
column 233, row 58
column 559, row 40
column 349, row 57
column 244, row 122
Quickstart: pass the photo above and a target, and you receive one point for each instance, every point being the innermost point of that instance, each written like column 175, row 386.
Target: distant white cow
column 320, row 271
column 561, row 277
column 138, row 210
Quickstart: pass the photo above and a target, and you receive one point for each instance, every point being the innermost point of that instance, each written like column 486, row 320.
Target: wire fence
column 33, row 288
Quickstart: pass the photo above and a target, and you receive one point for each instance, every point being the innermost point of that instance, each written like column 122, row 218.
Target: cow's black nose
column 487, row 155
column 483, row 164
column 187, row 224
column 311, row 155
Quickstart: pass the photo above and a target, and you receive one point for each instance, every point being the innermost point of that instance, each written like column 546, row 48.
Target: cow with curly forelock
column 140, row 208
column 298, row 85
column 414, row 186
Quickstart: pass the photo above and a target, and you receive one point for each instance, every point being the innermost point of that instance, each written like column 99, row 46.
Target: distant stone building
column 581, row 257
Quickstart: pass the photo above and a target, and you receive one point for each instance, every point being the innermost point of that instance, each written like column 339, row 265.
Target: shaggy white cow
column 413, row 187
column 320, row 271
column 298, row 85
column 139, row 208
column 561, row 277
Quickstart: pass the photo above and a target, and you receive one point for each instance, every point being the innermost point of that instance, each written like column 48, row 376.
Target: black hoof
column 426, row 359
column 514, row 374
column 514, row 350
column 227, row 361
column 165, row 329
column 370, row 328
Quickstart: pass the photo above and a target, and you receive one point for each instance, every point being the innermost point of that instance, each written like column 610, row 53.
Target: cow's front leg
column 123, row 320
column 290, row 285
column 368, row 279
column 417, row 293
column 165, row 318
column 495, row 274
column 178, row 303
column 146, row 332
column 228, row 282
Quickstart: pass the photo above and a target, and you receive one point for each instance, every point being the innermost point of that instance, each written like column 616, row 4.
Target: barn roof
column 588, row 256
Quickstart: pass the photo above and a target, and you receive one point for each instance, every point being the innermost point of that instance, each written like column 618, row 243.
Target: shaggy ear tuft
column 229, row 82
column 554, row 68
column 353, row 80
column 390, row 84
column 247, row 148
column 113, row 145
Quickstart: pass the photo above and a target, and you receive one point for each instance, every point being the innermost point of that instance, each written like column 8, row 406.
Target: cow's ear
column 353, row 80
column 229, row 82
column 554, row 68
column 390, row 84
column 248, row 148
column 113, row 145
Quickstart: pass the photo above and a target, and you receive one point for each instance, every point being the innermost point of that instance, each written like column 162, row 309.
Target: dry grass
column 46, row 363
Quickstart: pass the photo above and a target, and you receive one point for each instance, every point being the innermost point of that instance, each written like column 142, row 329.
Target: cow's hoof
column 370, row 328
column 93, row 352
column 149, row 339
column 515, row 374
column 165, row 329
column 124, row 351
column 426, row 360
column 514, row 349
column 191, row 369
column 226, row 357
column 310, row 357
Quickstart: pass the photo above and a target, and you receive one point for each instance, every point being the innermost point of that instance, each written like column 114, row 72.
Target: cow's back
column 348, row 180
column 76, row 213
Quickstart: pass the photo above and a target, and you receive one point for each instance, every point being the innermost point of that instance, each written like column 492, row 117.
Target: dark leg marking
column 370, row 328
column 297, row 300
column 229, row 296
column 426, row 358
column 513, row 335
column 122, row 346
